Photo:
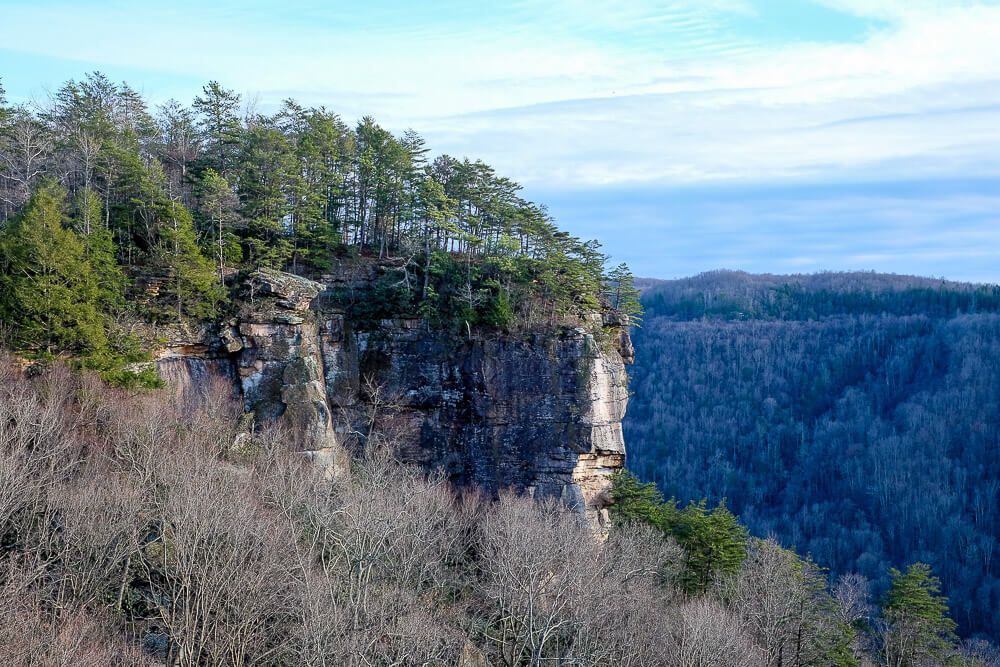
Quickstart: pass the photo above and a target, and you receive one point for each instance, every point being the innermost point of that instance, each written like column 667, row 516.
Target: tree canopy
column 179, row 194
column 48, row 289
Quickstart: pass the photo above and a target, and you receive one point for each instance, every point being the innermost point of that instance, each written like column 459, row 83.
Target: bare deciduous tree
column 708, row 635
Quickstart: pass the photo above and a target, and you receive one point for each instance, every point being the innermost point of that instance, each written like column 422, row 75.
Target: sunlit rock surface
column 537, row 413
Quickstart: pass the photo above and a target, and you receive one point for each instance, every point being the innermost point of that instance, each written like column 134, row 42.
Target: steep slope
column 854, row 416
column 536, row 412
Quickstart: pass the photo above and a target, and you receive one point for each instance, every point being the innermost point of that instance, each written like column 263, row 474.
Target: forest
column 137, row 530
column 113, row 212
column 852, row 417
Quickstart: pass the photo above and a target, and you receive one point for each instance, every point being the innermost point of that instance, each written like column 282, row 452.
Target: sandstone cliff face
column 280, row 364
column 537, row 414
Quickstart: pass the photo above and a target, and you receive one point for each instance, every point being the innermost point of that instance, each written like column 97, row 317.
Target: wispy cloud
column 669, row 96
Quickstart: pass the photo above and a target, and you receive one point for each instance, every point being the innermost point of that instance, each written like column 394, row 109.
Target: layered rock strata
column 538, row 414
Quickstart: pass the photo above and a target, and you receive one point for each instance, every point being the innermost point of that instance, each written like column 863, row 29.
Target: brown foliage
column 144, row 524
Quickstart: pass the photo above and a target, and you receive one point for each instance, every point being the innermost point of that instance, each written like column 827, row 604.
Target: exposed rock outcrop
column 536, row 413
column 190, row 359
column 279, row 359
column 539, row 414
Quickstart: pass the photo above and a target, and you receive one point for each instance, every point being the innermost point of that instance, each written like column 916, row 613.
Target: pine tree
column 637, row 501
column 218, row 204
column 919, row 630
column 623, row 295
column 266, row 165
column 192, row 285
column 220, row 126
column 100, row 251
column 4, row 112
column 307, row 186
column 714, row 541
column 48, row 290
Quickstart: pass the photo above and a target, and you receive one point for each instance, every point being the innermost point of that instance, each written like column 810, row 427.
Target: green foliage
column 714, row 542
column 920, row 630
column 220, row 124
column 622, row 294
column 785, row 600
column 218, row 205
column 193, row 285
column 5, row 112
column 385, row 300
column 496, row 310
column 636, row 501
column 713, row 539
column 114, row 369
column 100, row 251
column 48, row 289
column 178, row 200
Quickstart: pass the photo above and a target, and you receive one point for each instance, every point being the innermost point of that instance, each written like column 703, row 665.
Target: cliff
column 538, row 413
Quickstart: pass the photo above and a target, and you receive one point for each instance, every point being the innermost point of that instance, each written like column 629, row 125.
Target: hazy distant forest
column 855, row 417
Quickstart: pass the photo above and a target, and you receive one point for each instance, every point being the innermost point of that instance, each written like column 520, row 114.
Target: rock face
column 538, row 414
column 280, row 362
column 190, row 360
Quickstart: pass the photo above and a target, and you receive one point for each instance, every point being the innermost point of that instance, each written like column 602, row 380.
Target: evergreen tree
column 100, row 251
column 784, row 601
column 308, row 187
column 131, row 116
column 82, row 119
column 435, row 209
column 193, row 285
column 220, row 126
column 266, row 165
column 636, row 501
column 218, row 204
column 48, row 290
column 623, row 295
column 919, row 630
column 316, row 183
column 4, row 111
column 714, row 541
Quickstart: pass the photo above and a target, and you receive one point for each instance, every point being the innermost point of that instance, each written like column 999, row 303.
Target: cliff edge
column 537, row 413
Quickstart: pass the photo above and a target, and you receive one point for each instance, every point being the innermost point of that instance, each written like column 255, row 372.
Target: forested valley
column 138, row 527
column 854, row 417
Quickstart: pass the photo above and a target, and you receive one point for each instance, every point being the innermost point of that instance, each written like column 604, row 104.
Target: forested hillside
column 140, row 526
column 855, row 417
column 113, row 212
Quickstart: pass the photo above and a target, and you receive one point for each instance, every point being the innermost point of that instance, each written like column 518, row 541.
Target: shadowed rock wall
column 538, row 414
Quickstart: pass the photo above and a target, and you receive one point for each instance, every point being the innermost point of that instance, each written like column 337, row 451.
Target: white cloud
column 572, row 92
column 917, row 98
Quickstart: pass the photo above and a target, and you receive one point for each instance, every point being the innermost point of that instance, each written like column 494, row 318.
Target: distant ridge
column 724, row 294
column 855, row 415
column 836, row 280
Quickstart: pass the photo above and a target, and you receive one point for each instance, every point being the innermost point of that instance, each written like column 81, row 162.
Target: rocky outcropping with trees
column 536, row 412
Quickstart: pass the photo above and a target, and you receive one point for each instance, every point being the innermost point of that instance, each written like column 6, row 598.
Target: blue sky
column 686, row 135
